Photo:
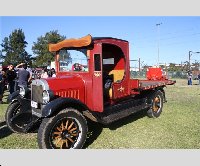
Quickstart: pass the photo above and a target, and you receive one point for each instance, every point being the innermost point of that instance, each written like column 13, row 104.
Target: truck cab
column 92, row 82
column 103, row 76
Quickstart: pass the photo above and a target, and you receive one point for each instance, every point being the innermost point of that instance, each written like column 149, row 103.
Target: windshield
column 73, row 60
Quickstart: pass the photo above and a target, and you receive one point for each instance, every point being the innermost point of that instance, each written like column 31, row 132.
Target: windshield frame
column 84, row 67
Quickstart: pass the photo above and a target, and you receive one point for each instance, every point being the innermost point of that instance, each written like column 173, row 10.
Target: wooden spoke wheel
column 65, row 133
column 66, row 130
column 156, row 104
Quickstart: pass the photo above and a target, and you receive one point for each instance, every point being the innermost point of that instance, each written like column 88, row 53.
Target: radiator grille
column 37, row 93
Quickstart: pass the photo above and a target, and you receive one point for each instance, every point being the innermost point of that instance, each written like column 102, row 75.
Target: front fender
column 61, row 103
column 25, row 104
column 15, row 96
column 12, row 96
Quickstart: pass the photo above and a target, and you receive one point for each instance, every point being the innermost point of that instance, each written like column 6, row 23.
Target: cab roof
column 80, row 42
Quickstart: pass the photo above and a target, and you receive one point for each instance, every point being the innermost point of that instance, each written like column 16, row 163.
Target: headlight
column 47, row 95
column 22, row 91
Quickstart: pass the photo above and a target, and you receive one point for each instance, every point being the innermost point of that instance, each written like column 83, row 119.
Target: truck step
column 123, row 110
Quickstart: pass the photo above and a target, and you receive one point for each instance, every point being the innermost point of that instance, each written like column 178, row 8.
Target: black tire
column 156, row 100
column 12, row 110
column 55, row 132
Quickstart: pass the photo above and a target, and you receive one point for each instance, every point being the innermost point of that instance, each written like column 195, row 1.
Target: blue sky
column 178, row 34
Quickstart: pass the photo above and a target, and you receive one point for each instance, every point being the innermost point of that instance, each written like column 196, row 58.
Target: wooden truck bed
column 149, row 84
column 138, row 85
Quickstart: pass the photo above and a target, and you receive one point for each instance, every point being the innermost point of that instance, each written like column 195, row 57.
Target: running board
column 122, row 113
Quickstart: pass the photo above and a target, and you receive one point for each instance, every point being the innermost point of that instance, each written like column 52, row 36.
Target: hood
column 67, row 86
column 64, row 82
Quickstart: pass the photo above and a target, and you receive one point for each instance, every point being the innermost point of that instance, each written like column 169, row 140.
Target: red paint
column 65, row 85
column 155, row 73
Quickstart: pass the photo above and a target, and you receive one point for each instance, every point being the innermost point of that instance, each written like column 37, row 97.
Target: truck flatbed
column 150, row 84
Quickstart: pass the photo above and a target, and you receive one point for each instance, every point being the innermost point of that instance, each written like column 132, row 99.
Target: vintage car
column 62, row 106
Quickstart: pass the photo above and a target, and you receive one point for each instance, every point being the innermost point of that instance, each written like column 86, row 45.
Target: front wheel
column 156, row 100
column 13, row 111
column 66, row 130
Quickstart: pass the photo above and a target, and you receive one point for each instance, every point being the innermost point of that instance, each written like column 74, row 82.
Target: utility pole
column 158, row 33
column 190, row 54
column 189, row 59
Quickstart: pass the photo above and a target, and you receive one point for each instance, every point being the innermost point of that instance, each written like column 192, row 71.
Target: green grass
column 178, row 127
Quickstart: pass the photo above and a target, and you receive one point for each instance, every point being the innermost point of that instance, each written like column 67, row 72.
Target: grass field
column 178, row 127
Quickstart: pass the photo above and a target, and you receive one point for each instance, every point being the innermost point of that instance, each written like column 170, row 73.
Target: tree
column 14, row 48
column 195, row 65
column 186, row 66
column 40, row 48
column 1, row 57
column 172, row 67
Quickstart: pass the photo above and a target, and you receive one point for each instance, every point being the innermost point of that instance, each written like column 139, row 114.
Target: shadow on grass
column 95, row 129
column 130, row 119
column 4, row 131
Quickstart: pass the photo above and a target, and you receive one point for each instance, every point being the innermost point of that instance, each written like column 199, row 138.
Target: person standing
column 4, row 79
column 77, row 67
column 53, row 71
column 31, row 74
column 1, row 87
column 189, row 78
column 44, row 73
column 10, row 77
column 199, row 78
column 24, row 76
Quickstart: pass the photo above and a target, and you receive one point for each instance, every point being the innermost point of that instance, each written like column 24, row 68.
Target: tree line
column 14, row 48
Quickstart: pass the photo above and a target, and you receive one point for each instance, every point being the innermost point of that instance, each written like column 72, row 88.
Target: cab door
column 97, row 83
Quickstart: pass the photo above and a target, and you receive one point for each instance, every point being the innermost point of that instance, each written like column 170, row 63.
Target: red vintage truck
column 92, row 83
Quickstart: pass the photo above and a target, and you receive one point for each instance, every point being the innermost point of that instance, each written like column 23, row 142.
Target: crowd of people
column 21, row 75
column 43, row 73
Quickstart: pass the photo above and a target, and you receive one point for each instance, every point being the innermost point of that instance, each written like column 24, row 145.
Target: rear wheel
column 156, row 104
column 66, row 130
